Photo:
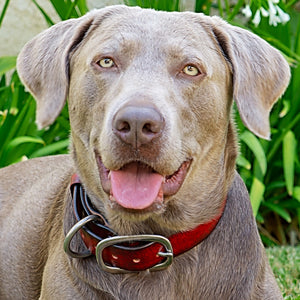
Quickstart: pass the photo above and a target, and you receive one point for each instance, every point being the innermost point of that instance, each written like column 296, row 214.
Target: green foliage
column 19, row 136
column 166, row 5
column 270, row 169
column 4, row 11
column 285, row 262
column 7, row 63
column 274, row 178
column 65, row 9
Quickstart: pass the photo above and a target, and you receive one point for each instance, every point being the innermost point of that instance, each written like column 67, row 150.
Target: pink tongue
column 136, row 186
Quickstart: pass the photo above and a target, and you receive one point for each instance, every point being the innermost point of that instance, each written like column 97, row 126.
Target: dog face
column 153, row 114
column 150, row 96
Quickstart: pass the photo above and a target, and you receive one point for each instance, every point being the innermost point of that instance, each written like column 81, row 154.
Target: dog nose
column 138, row 125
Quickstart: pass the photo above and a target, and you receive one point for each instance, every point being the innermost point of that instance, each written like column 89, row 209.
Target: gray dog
column 148, row 205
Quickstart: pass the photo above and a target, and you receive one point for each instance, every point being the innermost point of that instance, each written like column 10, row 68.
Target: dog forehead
column 149, row 29
column 137, row 19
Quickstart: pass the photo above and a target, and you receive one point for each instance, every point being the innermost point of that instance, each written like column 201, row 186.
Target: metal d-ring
column 71, row 234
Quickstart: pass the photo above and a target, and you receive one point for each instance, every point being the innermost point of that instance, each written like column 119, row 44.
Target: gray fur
column 150, row 49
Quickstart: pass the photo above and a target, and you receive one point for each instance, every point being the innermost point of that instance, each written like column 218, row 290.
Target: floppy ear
column 260, row 74
column 43, row 64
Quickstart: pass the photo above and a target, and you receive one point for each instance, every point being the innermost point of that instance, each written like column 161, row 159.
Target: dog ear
column 43, row 64
column 260, row 74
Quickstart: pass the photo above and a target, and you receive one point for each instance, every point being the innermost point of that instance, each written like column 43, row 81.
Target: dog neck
column 132, row 253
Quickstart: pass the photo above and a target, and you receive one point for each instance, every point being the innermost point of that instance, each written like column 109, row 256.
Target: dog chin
column 137, row 190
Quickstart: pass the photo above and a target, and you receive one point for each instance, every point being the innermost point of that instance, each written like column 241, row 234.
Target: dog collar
column 124, row 254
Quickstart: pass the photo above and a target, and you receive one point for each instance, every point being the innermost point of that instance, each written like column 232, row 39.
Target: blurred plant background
column 270, row 169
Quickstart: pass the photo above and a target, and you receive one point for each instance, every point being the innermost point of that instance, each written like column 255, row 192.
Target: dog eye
column 191, row 70
column 106, row 63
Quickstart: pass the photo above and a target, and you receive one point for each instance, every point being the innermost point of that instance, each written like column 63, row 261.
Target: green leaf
column 82, row 7
column 23, row 139
column 279, row 210
column 60, row 7
column 256, row 194
column 285, row 109
column 70, row 9
column 289, row 152
column 51, row 149
column 167, row 5
column 277, row 142
column 236, row 9
column 7, row 63
column 203, row 6
column 253, row 143
column 3, row 11
column 9, row 156
column 275, row 184
column 296, row 193
column 46, row 16
column 243, row 162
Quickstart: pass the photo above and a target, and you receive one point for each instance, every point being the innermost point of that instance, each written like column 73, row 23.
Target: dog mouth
column 137, row 186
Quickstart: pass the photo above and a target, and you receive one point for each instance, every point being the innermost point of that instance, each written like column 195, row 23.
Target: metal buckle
column 72, row 232
column 131, row 238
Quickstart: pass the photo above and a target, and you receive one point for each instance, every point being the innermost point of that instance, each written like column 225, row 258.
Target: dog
column 148, row 204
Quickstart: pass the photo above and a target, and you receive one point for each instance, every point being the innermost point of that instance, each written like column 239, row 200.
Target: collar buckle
column 164, row 242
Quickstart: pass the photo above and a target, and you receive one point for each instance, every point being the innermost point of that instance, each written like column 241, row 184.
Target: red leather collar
column 137, row 255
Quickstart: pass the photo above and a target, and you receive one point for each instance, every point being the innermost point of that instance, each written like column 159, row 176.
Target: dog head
column 150, row 96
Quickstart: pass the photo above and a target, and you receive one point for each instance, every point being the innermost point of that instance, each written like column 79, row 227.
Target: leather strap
column 131, row 256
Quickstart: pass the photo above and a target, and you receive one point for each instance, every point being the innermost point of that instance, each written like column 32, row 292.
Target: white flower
column 273, row 19
column 264, row 12
column 275, row 13
column 284, row 17
column 272, row 9
column 247, row 11
column 256, row 20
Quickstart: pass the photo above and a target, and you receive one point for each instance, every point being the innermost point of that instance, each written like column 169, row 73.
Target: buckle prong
column 131, row 238
column 165, row 254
